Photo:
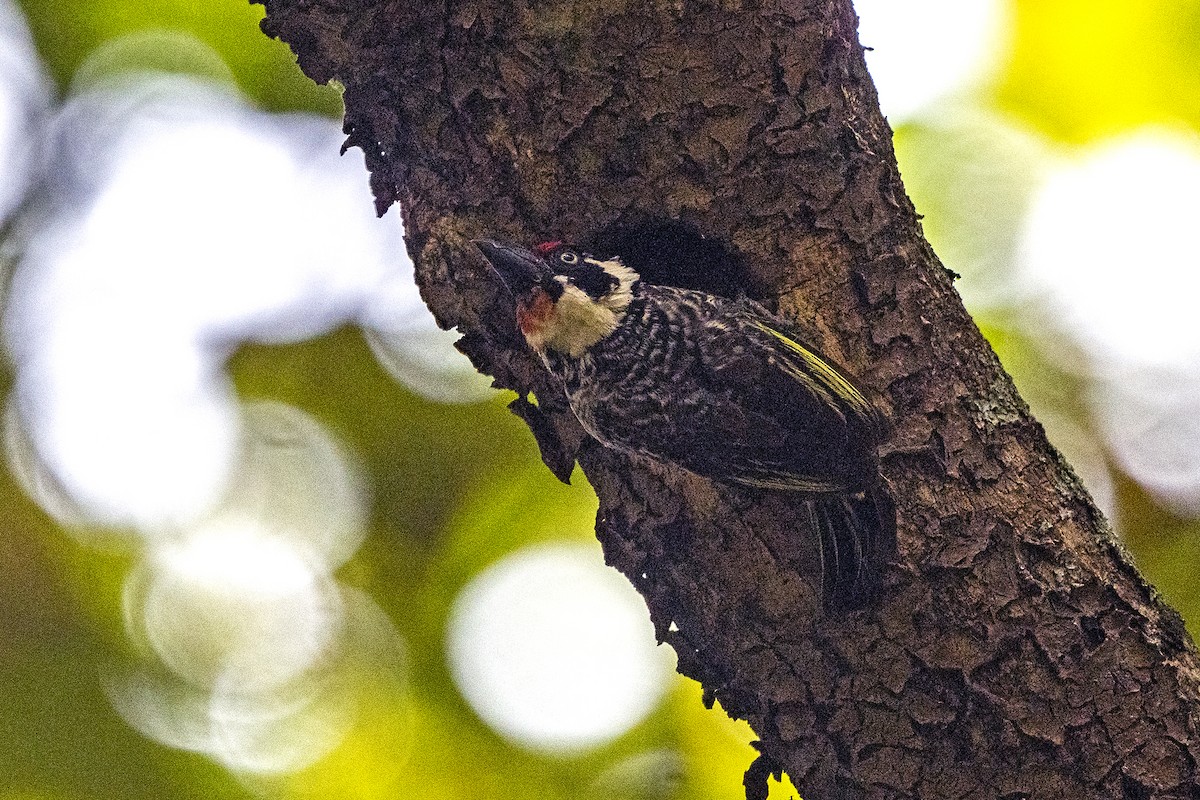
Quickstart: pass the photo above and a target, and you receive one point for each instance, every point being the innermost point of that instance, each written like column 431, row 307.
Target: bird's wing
column 819, row 376
column 830, row 455
column 800, row 424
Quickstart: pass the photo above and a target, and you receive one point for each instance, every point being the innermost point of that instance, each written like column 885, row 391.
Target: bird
column 717, row 386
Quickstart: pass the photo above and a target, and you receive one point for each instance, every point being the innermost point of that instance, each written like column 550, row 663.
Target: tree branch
column 1016, row 652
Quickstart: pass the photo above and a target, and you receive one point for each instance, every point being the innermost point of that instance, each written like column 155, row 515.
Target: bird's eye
column 568, row 257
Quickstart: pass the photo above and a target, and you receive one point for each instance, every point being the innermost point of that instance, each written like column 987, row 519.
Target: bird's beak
column 520, row 269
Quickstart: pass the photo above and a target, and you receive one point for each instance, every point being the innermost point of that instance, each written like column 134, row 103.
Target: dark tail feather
column 858, row 537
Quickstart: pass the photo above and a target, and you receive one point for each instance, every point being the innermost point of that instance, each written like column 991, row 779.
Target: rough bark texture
column 1016, row 652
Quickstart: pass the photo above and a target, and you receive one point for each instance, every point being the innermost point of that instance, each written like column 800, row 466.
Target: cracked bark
column 1016, row 652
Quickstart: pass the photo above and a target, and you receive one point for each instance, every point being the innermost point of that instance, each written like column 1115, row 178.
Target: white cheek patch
column 578, row 322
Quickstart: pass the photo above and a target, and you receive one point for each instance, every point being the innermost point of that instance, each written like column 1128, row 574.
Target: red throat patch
column 533, row 316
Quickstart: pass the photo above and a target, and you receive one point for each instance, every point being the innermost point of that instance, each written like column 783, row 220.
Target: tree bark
column 1015, row 652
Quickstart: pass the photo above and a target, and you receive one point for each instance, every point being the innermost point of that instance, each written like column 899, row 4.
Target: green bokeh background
column 454, row 488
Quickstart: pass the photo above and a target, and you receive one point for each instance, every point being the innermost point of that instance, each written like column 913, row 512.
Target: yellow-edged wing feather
column 823, row 379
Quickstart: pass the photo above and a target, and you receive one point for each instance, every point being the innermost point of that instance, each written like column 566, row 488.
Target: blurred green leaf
column 68, row 31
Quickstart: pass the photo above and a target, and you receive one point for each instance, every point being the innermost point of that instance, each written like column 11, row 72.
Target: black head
column 592, row 275
column 566, row 300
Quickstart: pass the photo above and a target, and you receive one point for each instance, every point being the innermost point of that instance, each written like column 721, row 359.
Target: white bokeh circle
column 264, row 731
column 25, row 94
column 1150, row 420
column 924, row 50
column 1109, row 246
column 555, row 651
column 1108, row 256
column 178, row 224
column 233, row 596
column 295, row 475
